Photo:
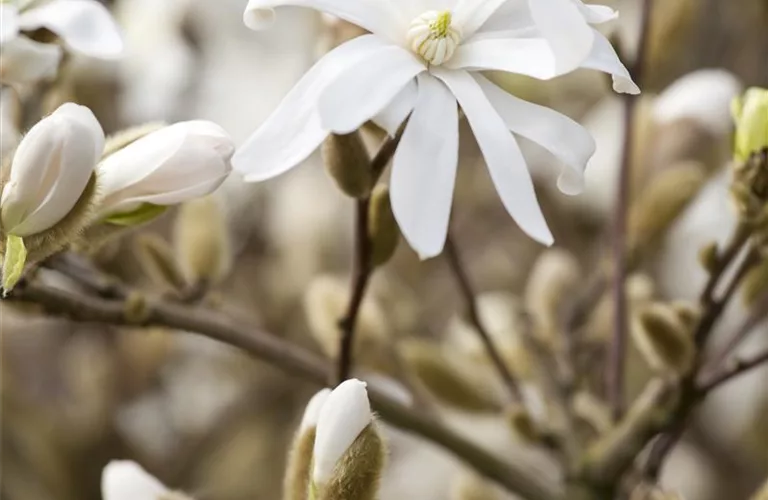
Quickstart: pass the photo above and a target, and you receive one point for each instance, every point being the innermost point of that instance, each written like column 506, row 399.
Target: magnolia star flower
column 85, row 26
column 424, row 59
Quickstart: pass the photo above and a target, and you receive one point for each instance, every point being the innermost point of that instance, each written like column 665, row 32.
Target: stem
column 615, row 373
column 515, row 477
column 740, row 367
column 469, row 296
column 756, row 315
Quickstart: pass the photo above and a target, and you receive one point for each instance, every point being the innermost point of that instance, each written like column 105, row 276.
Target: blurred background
column 213, row 422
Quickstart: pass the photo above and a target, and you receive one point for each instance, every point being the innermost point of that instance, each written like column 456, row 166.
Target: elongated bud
column 358, row 473
column 751, row 115
column 553, row 279
column 446, row 380
column 342, row 418
column 522, row 424
column 126, row 480
column 382, row 227
column 159, row 263
column 299, row 469
column 664, row 339
column 755, row 283
column 201, row 240
column 709, row 257
column 347, row 161
column 472, row 487
column 173, row 165
column 118, row 141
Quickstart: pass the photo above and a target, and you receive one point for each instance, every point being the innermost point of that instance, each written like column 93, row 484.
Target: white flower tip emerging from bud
column 343, row 417
column 50, row 170
column 257, row 17
column 181, row 162
column 126, row 480
column 433, row 36
column 312, row 412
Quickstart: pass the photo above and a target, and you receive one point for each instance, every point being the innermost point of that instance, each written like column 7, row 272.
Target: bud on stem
column 347, row 161
column 382, row 227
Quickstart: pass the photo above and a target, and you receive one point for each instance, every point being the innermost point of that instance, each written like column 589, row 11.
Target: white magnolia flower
column 178, row 163
column 126, row 480
column 424, row 59
column 343, row 416
column 312, row 411
column 50, row 170
column 85, row 26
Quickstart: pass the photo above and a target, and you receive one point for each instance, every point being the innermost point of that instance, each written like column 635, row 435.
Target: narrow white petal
column 604, row 58
column 362, row 91
column 563, row 25
column 424, row 168
column 126, row 480
column 502, row 154
column 84, row 25
column 395, row 113
column 597, row 14
column 312, row 411
column 380, row 17
column 24, row 61
column 470, row 15
column 525, row 56
column 293, row 131
column 512, row 15
column 344, row 415
column 9, row 22
column 564, row 138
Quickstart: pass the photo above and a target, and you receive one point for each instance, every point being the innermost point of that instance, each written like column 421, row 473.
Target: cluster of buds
column 750, row 181
column 59, row 188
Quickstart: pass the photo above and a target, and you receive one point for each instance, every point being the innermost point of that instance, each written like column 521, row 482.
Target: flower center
column 433, row 36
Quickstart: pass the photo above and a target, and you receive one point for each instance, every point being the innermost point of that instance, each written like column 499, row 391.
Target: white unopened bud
column 126, row 480
column 312, row 412
column 342, row 418
column 181, row 162
column 50, row 170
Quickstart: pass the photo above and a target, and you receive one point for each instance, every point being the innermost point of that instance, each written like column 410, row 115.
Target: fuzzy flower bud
column 167, row 167
column 751, row 115
column 342, row 418
column 126, row 480
column 50, row 170
column 298, row 470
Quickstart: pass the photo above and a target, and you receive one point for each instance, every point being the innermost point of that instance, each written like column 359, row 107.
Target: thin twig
column 515, row 477
column 757, row 314
column 739, row 367
column 470, row 297
column 615, row 372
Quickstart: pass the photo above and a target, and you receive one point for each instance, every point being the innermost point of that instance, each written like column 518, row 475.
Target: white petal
column 343, row 417
column 379, row 17
column 567, row 140
column 604, row 58
column 84, row 25
column 424, row 168
column 9, row 22
column 293, row 131
column 512, row 15
column 525, row 56
column 563, row 25
column 362, row 91
column 597, row 14
column 126, row 480
column 395, row 113
column 502, row 155
column 470, row 15
column 312, row 412
column 24, row 61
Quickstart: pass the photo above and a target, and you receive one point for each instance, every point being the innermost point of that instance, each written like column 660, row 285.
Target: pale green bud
column 347, row 161
column 664, row 339
column 382, row 227
column 201, row 241
column 751, row 115
column 159, row 263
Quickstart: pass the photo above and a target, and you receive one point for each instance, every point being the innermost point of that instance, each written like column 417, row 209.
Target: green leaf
column 145, row 213
column 13, row 263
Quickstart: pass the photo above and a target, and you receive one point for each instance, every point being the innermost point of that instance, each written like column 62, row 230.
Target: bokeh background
column 215, row 423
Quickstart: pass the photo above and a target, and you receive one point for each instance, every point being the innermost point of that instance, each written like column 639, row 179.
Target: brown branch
column 756, row 316
column 739, row 367
column 470, row 298
column 294, row 360
column 615, row 373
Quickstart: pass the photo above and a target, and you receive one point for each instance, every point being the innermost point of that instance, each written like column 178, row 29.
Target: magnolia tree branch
column 470, row 297
column 515, row 477
column 615, row 373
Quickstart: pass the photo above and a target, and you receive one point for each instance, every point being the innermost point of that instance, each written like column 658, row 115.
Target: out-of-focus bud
column 382, row 227
column 50, row 170
column 202, row 242
column 762, row 493
column 522, row 424
column 299, row 467
column 749, row 189
column 349, row 454
column 709, row 256
column 181, row 162
column 159, row 263
column 653, row 492
column 472, row 487
column 555, row 276
column 755, row 283
column 347, row 161
column 664, row 339
column 126, row 480
column 751, row 115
